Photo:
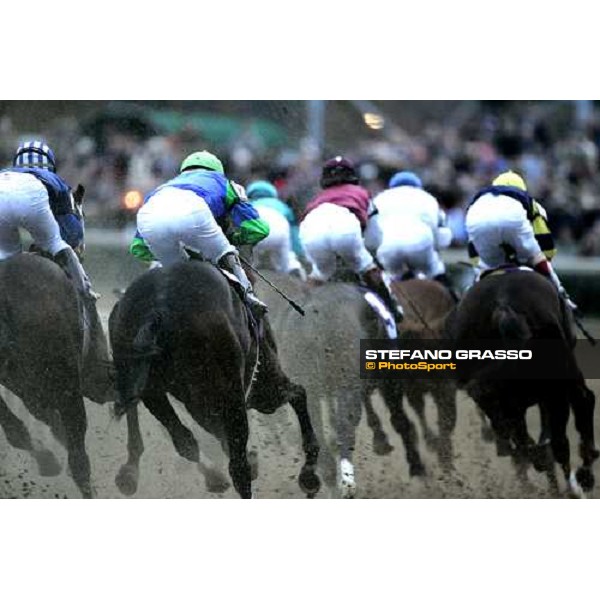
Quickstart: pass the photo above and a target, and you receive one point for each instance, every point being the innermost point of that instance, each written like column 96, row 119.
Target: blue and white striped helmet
column 35, row 154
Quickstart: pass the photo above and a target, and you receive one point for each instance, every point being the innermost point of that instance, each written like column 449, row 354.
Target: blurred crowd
column 559, row 158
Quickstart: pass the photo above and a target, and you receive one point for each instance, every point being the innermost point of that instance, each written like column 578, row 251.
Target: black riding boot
column 445, row 281
column 374, row 280
column 70, row 264
column 232, row 263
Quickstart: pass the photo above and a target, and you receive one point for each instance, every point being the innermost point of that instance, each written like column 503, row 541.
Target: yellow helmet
column 511, row 179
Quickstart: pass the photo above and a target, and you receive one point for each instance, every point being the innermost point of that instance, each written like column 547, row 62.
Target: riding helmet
column 511, row 179
column 202, row 160
column 337, row 171
column 261, row 189
column 406, row 178
column 35, row 153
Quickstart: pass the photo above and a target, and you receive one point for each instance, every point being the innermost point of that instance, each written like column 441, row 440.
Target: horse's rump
column 426, row 305
column 42, row 339
column 185, row 322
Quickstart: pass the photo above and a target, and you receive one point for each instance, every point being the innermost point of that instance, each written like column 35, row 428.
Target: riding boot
column 373, row 278
column 69, row 262
column 231, row 262
column 445, row 281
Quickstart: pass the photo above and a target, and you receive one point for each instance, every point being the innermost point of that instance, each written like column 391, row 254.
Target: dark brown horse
column 43, row 353
column 522, row 305
column 426, row 305
column 183, row 330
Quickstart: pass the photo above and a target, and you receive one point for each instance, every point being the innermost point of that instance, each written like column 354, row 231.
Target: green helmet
column 202, row 160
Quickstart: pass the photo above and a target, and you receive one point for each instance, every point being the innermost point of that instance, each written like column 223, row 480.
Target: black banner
column 484, row 359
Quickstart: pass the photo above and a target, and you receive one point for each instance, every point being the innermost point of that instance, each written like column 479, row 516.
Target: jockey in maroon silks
column 333, row 225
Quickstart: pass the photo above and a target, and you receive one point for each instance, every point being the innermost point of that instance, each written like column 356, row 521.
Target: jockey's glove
column 567, row 299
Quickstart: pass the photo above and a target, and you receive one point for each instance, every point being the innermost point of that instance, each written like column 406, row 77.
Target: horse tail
column 511, row 325
column 146, row 341
column 133, row 378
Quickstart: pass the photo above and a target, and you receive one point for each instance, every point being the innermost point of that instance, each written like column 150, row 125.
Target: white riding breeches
column 276, row 249
column 24, row 204
column 173, row 219
column 330, row 231
column 408, row 244
column 495, row 221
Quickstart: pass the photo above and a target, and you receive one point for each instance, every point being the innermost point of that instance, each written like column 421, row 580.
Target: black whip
column 293, row 304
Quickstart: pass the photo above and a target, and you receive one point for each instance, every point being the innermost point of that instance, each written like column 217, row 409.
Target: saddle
column 504, row 269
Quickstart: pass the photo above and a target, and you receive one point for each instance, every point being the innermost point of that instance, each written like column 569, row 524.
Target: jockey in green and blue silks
column 191, row 211
column 283, row 241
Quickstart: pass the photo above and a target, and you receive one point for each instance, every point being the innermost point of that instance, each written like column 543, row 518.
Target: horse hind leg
column 236, row 433
column 381, row 444
column 323, row 420
column 557, row 413
column 347, row 418
column 405, row 428
column 308, row 479
column 18, row 437
column 74, row 419
column 445, row 399
column 127, row 478
column 416, row 399
column 215, row 479
column 583, row 404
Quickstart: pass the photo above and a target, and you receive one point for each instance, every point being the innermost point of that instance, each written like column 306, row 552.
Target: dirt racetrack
column 478, row 472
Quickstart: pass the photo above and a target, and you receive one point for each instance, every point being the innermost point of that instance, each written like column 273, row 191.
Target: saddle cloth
column 382, row 311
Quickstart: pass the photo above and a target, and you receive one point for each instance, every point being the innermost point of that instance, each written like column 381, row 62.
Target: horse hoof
column 575, row 490
column 127, row 480
column 309, row 482
column 348, row 490
column 48, row 465
column 538, row 455
column 347, row 482
column 416, row 470
column 591, row 453
column 585, row 478
column 382, row 447
column 87, row 492
column 216, row 482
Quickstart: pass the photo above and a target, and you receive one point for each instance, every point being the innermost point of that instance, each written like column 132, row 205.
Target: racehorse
column 523, row 305
column 43, row 353
column 320, row 350
column 184, row 330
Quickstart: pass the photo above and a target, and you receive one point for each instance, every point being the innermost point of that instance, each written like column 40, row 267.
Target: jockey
column 332, row 226
column 190, row 211
column 406, row 229
column 282, row 228
column 505, row 224
column 34, row 197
